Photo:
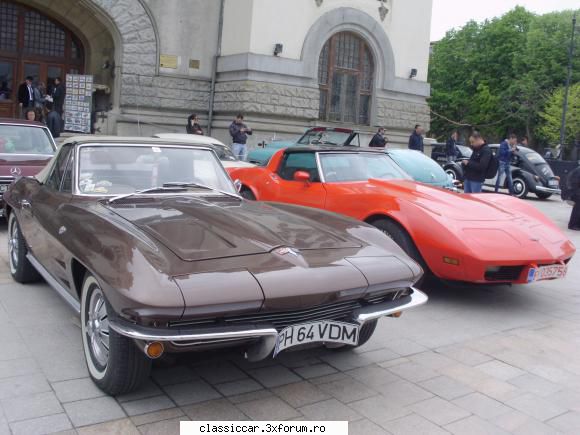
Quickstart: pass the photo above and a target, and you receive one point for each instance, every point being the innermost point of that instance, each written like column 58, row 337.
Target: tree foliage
column 551, row 116
column 498, row 75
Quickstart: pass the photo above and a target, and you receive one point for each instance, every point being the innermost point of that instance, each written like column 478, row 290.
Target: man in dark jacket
column 573, row 195
column 416, row 139
column 475, row 168
column 505, row 154
column 26, row 96
column 239, row 133
column 58, row 96
column 451, row 151
column 379, row 140
column 53, row 120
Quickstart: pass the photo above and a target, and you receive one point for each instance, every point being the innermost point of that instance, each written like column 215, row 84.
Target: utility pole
column 567, row 90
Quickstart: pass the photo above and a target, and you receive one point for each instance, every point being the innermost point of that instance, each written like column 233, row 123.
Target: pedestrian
column 379, row 140
column 451, row 151
column 26, row 96
column 416, row 139
column 475, row 168
column 58, row 96
column 507, row 148
column 239, row 132
column 53, row 120
column 524, row 142
column 573, row 195
column 30, row 114
column 193, row 126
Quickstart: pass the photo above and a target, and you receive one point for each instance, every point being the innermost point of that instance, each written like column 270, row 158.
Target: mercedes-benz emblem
column 15, row 171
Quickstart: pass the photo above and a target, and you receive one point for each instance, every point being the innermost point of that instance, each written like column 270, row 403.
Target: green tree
column 551, row 116
column 497, row 75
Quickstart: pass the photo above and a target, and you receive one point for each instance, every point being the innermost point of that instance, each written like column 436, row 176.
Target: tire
column 453, row 173
column 400, row 236
column 120, row 368
column 543, row 195
column 20, row 268
column 366, row 332
column 248, row 194
column 520, row 187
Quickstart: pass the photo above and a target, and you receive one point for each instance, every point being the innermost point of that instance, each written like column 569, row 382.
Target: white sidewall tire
column 93, row 370
column 11, row 221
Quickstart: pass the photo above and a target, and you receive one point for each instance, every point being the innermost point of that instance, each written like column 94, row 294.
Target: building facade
column 286, row 65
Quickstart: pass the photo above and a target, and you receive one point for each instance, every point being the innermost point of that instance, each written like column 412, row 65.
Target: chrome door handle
column 25, row 204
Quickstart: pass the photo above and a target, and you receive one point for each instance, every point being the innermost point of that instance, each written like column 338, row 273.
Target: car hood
column 445, row 203
column 28, row 164
column 203, row 228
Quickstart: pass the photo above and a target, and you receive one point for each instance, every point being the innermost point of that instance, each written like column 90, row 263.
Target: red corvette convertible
column 484, row 238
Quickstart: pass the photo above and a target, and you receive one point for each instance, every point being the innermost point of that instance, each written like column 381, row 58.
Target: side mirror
column 302, row 176
column 238, row 185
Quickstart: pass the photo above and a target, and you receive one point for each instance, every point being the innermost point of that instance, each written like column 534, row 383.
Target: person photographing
column 239, row 133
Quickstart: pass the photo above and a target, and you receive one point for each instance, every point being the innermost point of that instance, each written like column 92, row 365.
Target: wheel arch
column 251, row 189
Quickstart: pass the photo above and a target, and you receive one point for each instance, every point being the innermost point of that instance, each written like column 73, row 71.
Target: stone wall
column 402, row 115
column 267, row 99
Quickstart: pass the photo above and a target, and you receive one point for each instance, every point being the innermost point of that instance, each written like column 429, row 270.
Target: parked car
column 313, row 136
column 150, row 243
column 439, row 153
column 473, row 238
column 25, row 148
column 421, row 168
column 224, row 152
column 530, row 174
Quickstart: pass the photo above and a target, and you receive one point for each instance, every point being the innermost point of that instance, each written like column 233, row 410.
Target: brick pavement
column 487, row 360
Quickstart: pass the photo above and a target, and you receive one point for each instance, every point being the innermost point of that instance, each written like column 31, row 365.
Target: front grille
column 504, row 273
column 339, row 311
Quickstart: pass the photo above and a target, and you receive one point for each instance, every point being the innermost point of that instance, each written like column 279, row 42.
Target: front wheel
column 520, row 187
column 452, row 173
column 247, row 194
column 20, row 268
column 115, row 363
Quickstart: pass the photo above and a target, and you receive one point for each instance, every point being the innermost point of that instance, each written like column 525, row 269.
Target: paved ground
column 473, row 361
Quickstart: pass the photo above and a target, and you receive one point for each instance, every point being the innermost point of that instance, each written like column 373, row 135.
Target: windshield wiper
column 150, row 190
column 183, row 184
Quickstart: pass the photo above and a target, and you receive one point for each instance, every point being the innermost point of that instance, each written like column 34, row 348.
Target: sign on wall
column 78, row 103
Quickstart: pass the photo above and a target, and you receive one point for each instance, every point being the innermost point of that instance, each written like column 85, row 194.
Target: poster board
column 78, row 103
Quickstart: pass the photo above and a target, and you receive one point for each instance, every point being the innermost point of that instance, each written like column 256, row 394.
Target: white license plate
column 324, row 331
column 553, row 183
column 4, row 187
column 554, row 271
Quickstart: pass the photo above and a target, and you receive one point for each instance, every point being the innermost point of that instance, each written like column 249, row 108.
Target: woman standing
column 193, row 126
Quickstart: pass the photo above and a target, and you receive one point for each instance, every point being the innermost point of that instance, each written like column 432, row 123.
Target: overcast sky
column 455, row 13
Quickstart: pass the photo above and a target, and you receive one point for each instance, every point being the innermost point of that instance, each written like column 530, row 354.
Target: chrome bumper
column 548, row 190
column 264, row 335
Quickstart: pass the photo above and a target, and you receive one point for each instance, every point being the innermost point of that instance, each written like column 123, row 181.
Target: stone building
column 285, row 64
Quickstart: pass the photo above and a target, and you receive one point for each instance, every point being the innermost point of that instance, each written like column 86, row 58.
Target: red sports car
column 485, row 238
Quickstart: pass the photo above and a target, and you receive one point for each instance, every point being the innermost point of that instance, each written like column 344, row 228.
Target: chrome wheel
column 97, row 327
column 13, row 247
column 451, row 173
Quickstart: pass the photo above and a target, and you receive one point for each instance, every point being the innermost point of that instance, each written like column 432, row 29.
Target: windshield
column 24, row 139
column 325, row 137
column 117, row 170
column 224, row 153
column 419, row 166
column 342, row 167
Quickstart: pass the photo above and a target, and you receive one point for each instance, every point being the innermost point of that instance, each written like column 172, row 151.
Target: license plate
column 317, row 332
column 553, row 183
column 554, row 271
column 4, row 187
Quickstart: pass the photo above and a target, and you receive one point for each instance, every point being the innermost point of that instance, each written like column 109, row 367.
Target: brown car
column 151, row 244
column 25, row 148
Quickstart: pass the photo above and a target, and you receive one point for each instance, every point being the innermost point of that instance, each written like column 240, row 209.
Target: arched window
column 345, row 76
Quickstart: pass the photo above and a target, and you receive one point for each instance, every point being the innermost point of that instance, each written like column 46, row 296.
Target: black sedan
column 530, row 173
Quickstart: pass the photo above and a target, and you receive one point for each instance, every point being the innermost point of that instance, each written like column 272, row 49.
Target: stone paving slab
column 479, row 360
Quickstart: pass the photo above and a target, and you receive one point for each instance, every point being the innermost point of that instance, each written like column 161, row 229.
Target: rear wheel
column 20, row 268
column 115, row 363
column 520, row 187
column 452, row 173
column 247, row 194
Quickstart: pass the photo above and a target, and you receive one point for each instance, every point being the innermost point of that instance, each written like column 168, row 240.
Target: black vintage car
column 530, row 172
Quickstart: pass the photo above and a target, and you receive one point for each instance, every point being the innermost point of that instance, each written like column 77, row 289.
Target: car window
column 117, row 169
column 324, row 137
column 24, row 139
column 66, row 185
column 344, row 167
column 294, row 162
column 58, row 169
column 419, row 166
